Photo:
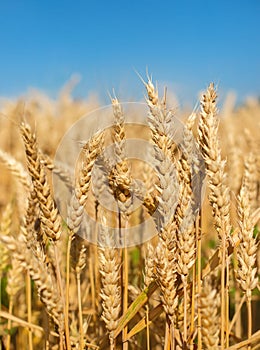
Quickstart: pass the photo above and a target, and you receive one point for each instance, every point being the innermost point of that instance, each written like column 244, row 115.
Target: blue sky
column 185, row 44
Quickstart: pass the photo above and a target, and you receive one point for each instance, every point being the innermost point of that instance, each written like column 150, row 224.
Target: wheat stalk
column 161, row 124
column 219, row 196
column 79, row 268
column 246, row 272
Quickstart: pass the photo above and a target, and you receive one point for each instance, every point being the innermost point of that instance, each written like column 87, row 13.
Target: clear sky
column 185, row 44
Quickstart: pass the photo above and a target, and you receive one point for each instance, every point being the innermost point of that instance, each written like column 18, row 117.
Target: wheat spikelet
column 15, row 279
column 250, row 180
column 149, row 265
column 160, row 122
column 185, row 166
column 49, row 217
column 91, row 150
column 81, row 264
column 246, row 251
column 186, row 243
column 150, row 180
column 109, row 260
column 31, row 231
column 166, row 275
column 119, row 178
column 235, row 163
column 209, row 303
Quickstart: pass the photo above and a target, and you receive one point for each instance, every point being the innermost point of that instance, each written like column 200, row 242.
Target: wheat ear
column 110, row 261
column 50, row 217
column 90, row 152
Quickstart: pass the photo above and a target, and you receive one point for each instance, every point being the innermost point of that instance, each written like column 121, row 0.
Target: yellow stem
column 81, row 342
column 193, row 292
column 249, row 317
column 185, row 305
column 223, row 301
column 125, row 297
column 29, row 308
column 198, row 235
column 227, row 306
column 65, row 307
column 9, row 324
column 92, row 283
column 147, row 329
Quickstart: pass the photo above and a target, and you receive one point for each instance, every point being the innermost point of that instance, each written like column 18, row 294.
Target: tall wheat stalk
column 49, row 216
column 219, row 196
column 120, row 183
column 161, row 124
column 246, row 251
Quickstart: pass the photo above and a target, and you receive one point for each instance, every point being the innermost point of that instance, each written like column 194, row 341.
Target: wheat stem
column 9, row 324
column 223, row 293
column 249, row 319
column 126, row 282
column 66, row 312
column 198, row 237
column 79, row 268
column 193, row 299
column 227, row 305
column 29, row 307
column 60, row 286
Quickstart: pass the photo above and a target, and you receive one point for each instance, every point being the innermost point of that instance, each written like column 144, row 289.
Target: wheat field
column 85, row 272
